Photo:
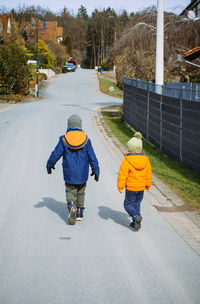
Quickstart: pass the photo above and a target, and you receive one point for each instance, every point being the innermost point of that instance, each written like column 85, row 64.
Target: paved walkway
column 184, row 220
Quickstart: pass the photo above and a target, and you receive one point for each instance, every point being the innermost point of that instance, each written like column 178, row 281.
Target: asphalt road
column 43, row 260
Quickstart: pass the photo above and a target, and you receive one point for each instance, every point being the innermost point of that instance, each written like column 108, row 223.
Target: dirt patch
column 173, row 208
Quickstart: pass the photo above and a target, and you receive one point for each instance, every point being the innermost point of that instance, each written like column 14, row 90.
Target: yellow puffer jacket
column 134, row 172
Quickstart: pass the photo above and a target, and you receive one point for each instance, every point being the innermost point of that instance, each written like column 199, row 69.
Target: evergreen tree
column 82, row 12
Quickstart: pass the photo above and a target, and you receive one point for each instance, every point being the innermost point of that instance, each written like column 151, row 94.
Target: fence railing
column 171, row 123
column 183, row 90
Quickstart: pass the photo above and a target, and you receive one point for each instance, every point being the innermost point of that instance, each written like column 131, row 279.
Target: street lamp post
column 37, row 81
column 37, row 84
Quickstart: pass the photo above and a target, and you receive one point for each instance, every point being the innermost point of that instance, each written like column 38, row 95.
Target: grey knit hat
column 74, row 121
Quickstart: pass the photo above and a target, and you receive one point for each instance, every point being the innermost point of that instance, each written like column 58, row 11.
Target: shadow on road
column 79, row 106
column 118, row 217
column 55, row 206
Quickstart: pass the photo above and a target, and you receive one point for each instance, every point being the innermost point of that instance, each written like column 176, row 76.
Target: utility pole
column 37, row 84
column 160, row 43
column 37, row 37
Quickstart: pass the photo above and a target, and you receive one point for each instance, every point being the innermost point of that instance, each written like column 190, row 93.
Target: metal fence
column 184, row 90
column 171, row 124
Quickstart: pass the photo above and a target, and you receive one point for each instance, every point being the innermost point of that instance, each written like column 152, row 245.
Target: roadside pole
column 160, row 44
column 37, row 84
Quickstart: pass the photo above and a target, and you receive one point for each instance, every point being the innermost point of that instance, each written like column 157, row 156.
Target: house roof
column 50, row 34
column 4, row 19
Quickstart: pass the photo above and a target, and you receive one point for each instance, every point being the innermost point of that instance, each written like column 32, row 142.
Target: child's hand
column 50, row 169
column 96, row 176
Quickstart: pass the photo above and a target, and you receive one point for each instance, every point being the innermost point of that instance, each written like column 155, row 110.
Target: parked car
column 68, row 67
column 73, row 61
column 64, row 69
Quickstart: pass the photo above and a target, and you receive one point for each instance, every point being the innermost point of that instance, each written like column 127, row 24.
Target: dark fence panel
column 171, row 124
column 171, row 127
column 191, row 134
column 154, row 119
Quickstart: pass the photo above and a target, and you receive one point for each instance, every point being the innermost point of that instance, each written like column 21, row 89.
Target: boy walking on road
column 135, row 176
column 77, row 152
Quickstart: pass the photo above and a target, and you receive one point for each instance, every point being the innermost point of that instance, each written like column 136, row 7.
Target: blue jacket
column 77, row 152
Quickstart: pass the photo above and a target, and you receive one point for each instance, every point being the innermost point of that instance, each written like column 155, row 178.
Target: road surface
column 43, row 260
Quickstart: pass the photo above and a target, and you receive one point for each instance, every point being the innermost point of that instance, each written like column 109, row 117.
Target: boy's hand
column 96, row 176
column 49, row 170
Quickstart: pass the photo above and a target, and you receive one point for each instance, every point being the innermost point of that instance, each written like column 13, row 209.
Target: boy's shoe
column 132, row 225
column 137, row 224
column 72, row 213
column 79, row 214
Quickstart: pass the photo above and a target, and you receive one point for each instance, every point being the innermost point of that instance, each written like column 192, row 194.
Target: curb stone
column 180, row 216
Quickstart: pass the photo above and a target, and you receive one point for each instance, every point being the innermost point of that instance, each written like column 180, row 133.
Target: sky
column 175, row 6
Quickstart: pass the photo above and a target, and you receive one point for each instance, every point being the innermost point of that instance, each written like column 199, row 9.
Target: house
column 193, row 9
column 5, row 26
column 51, row 33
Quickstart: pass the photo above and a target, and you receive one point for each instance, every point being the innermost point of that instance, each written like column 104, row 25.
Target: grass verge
column 105, row 84
column 179, row 178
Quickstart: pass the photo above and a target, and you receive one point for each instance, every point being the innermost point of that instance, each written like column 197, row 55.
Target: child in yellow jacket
column 135, row 176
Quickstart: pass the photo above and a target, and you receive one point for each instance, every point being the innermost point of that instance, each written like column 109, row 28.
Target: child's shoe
column 136, row 225
column 79, row 214
column 72, row 213
column 138, row 222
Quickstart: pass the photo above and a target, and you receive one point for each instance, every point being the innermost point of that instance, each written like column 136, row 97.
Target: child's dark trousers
column 75, row 193
column 132, row 203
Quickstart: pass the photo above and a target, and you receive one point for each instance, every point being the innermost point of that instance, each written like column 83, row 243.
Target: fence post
column 148, row 113
column 161, row 122
column 191, row 91
column 181, row 129
column 130, row 102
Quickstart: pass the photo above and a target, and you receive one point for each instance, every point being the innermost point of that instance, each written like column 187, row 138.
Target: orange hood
column 138, row 161
column 75, row 139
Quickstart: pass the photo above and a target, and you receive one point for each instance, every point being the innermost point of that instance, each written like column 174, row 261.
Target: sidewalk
column 180, row 216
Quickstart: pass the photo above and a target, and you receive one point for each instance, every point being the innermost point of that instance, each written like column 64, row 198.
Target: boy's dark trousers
column 75, row 193
column 132, row 203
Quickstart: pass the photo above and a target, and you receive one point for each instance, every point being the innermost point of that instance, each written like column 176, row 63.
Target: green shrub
column 43, row 76
column 13, row 68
